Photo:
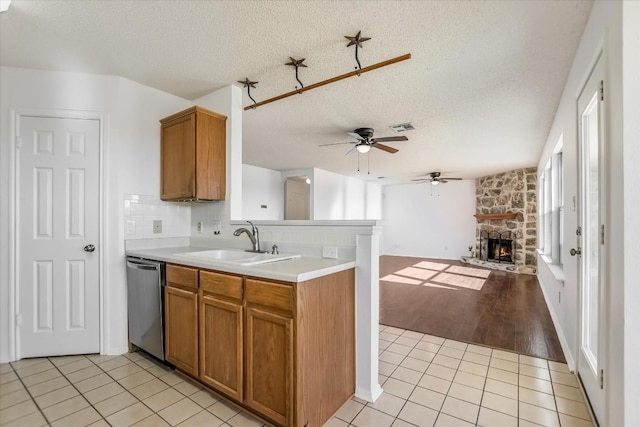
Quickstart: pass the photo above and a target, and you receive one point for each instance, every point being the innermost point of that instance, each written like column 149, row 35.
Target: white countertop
column 292, row 270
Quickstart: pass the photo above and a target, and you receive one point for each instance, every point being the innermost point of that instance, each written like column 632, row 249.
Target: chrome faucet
column 254, row 236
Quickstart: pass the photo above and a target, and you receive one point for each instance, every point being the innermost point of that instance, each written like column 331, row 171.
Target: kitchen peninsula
column 277, row 338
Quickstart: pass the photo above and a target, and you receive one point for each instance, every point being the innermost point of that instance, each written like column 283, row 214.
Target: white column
column 367, row 315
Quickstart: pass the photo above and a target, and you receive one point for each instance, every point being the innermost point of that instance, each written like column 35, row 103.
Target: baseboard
column 116, row 351
column 556, row 323
column 369, row 395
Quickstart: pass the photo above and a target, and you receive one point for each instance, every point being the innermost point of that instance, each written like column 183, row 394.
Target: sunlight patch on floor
column 438, row 266
column 440, row 275
column 433, row 285
column 468, row 271
column 460, row 281
column 400, row 279
column 417, row 273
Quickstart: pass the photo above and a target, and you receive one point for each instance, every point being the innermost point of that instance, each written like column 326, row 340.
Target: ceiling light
column 4, row 5
column 363, row 148
column 308, row 181
column 435, row 182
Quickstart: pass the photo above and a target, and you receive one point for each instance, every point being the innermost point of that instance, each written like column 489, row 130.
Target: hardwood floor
column 450, row 299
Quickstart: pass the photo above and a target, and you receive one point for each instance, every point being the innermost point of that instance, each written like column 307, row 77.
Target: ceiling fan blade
column 356, row 136
column 385, row 148
column 336, row 143
column 421, row 180
column 453, row 179
column 390, row 139
column 351, row 151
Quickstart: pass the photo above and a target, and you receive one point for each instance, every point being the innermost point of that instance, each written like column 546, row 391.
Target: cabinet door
column 181, row 329
column 221, row 345
column 269, row 364
column 177, row 157
column 211, row 156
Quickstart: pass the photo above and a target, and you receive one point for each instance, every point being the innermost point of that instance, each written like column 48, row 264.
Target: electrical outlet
column 157, row 226
column 131, row 227
column 330, row 252
column 200, row 227
column 217, row 227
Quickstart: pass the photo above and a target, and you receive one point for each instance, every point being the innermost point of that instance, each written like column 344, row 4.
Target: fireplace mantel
column 482, row 217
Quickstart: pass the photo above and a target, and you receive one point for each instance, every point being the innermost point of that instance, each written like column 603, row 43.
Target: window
column 551, row 209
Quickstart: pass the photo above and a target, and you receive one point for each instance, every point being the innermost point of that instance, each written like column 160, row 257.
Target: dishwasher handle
column 143, row 266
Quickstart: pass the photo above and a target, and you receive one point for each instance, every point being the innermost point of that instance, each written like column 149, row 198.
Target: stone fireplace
column 506, row 213
column 497, row 247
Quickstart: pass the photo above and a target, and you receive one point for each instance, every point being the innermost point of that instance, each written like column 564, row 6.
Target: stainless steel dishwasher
column 145, row 292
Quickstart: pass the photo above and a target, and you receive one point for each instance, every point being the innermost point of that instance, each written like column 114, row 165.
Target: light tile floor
column 97, row 390
column 432, row 381
column 427, row 381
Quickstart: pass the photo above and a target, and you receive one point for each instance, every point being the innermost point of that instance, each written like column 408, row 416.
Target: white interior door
column 591, row 241
column 58, row 206
column 297, row 203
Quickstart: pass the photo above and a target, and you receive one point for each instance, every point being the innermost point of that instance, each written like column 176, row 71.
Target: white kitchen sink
column 236, row 256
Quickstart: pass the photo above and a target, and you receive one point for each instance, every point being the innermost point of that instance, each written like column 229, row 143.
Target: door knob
column 89, row 248
column 575, row 252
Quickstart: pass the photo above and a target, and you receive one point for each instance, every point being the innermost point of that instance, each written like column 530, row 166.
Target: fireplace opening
column 497, row 247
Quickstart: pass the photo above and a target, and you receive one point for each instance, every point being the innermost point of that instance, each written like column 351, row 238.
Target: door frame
column 14, row 214
column 600, row 57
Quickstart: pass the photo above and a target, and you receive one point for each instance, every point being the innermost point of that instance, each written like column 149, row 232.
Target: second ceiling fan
column 434, row 178
column 365, row 140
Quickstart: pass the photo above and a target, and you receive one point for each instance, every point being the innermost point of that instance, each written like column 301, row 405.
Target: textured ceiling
column 481, row 89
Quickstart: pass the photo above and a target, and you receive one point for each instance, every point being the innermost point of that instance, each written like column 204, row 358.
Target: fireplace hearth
column 497, row 247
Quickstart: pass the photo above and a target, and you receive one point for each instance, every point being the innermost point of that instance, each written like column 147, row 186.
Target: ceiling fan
column 365, row 140
column 435, row 179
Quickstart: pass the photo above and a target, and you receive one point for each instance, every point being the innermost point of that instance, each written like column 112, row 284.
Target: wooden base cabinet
column 285, row 351
column 221, row 333
column 181, row 318
column 269, row 364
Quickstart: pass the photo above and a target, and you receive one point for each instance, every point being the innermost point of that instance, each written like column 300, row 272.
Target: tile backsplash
column 140, row 211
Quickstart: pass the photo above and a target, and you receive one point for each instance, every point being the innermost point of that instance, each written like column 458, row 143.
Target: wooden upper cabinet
column 193, row 155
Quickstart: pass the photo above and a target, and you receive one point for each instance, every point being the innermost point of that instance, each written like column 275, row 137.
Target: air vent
column 402, row 127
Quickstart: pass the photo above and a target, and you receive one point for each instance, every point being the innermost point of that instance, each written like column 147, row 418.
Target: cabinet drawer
column 269, row 294
column 185, row 276
column 221, row 284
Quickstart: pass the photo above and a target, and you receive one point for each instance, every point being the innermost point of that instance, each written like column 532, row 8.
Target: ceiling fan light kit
column 363, row 148
column 356, row 41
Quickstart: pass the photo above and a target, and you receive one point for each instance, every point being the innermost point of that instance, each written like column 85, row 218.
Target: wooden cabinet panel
column 177, row 159
column 221, row 284
column 183, row 276
column 181, row 328
column 193, row 155
column 325, row 320
column 211, row 143
column 269, row 365
column 269, row 294
column 221, row 345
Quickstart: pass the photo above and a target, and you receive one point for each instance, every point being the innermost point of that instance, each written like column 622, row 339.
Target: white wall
column 422, row 221
column 631, row 113
column 227, row 101
column 262, row 186
column 339, row 197
column 131, row 154
column 603, row 32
